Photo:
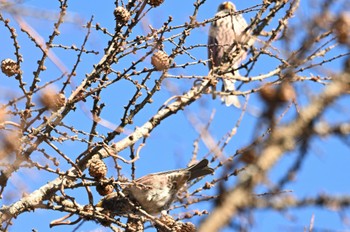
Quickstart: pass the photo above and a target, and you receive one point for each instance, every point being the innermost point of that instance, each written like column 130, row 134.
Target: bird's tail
column 200, row 169
column 229, row 86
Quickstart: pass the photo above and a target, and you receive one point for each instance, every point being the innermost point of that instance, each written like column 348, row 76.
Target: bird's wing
column 214, row 51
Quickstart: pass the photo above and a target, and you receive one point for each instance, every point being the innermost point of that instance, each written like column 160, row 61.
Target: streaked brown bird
column 225, row 35
column 154, row 192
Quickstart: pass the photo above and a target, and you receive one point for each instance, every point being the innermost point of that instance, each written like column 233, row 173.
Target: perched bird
column 154, row 192
column 224, row 36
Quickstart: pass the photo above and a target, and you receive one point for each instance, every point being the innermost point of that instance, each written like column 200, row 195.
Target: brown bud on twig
column 9, row 67
column 160, row 61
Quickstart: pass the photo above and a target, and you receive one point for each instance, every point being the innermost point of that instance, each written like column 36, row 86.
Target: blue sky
column 170, row 145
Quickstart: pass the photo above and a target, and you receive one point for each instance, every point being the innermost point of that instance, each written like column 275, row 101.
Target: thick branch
column 47, row 190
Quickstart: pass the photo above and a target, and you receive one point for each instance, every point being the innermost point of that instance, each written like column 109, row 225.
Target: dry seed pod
column 341, row 28
column 268, row 93
column 347, row 65
column 97, row 168
column 121, row 14
column 155, row 3
column 10, row 143
column 248, row 156
column 3, row 115
column 167, row 219
column 134, row 224
column 104, row 189
column 88, row 209
column 52, row 100
column 105, row 222
column 185, row 227
column 160, row 61
column 286, row 92
column 9, row 67
column 59, row 100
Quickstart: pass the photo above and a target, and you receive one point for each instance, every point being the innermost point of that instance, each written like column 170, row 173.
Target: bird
column 154, row 192
column 224, row 34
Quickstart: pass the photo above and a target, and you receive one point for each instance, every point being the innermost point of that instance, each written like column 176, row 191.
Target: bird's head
column 227, row 7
